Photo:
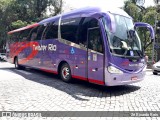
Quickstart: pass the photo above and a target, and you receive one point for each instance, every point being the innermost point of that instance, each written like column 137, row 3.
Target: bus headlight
column 114, row 70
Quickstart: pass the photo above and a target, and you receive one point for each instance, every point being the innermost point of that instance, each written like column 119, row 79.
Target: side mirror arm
column 146, row 25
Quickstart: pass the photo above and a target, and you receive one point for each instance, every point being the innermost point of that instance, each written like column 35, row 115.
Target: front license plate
column 134, row 78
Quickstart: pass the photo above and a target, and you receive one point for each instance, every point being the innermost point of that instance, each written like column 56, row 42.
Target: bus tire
column 65, row 73
column 154, row 73
column 17, row 66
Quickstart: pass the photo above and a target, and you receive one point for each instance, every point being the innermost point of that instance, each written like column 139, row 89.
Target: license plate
column 134, row 78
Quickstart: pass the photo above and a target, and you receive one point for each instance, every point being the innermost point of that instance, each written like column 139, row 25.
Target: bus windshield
column 122, row 37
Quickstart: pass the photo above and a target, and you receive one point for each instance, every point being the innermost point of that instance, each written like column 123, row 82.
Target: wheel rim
column 65, row 72
column 16, row 63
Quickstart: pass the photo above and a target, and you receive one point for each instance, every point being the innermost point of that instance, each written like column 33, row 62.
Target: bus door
column 95, row 56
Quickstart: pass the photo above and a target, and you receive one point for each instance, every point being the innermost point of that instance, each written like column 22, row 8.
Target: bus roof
column 82, row 12
column 88, row 11
column 23, row 28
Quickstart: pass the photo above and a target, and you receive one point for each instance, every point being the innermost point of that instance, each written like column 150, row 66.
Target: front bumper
column 123, row 79
column 155, row 69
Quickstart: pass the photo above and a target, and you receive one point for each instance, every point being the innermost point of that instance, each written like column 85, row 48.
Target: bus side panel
column 12, row 53
column 58, row 51
column 49, row 56
column 80, row 63
column 28, row 53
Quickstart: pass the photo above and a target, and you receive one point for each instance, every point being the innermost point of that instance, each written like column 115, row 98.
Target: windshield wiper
column 139, row 53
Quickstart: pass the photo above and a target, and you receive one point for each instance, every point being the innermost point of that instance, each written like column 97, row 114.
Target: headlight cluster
column 144, row 69
column 114, row 70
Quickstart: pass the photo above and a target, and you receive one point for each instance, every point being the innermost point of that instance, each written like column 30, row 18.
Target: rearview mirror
column 148, row 26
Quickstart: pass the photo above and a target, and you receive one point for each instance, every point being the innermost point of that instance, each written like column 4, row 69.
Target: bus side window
column 33, row 34
column 51, row 31
column 69, row 29
column 40, row 31
column 24, row 34
column 15, row 37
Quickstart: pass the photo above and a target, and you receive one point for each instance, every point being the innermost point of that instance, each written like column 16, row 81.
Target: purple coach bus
column 97, row 45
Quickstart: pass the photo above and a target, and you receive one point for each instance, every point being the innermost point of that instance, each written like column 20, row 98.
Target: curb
column 148, row 69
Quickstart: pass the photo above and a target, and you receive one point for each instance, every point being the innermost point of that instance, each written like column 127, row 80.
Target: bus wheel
column 16, row 63
column 154, row 73
column 65, row 73
column 17, row 66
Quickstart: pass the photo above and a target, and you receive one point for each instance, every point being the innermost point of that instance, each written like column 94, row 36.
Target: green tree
column 34, row 10
column 133, row 10
column 157, row 3
column 3, row 23
column 148, row 17
column 18, row 24
column 19, row 13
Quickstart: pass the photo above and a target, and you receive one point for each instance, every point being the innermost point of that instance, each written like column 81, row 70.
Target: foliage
column 132, row 10
column 19, row 13
column 18, row 24
column 149, row 16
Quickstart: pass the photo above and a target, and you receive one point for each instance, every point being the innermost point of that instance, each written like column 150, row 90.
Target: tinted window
column 69, row 29
column 40, row 31
column 14, row 37
column 95, row 40
column 51, row 31
column 87, row 23
column 24, row 34
column 33, row 34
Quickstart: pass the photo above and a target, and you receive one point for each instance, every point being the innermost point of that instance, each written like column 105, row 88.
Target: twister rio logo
column 17, row 48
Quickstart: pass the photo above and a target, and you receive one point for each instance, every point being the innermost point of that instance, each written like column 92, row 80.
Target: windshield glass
column 122, row 37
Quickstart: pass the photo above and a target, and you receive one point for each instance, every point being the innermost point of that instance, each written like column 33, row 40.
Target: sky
column 72, row 4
